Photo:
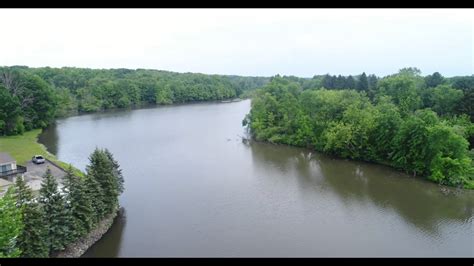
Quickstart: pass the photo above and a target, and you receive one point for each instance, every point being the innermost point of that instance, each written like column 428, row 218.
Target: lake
column 193, row 188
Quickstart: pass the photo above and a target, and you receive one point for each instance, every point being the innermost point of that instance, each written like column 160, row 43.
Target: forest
column 421, row 125
column 33, row 97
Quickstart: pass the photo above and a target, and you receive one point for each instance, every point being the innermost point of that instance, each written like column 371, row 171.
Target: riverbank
column 232, row 100
column 23, row 147
column 445, row 189
column 78, row 248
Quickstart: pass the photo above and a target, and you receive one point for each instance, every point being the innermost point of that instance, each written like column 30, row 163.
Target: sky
column 250, row 42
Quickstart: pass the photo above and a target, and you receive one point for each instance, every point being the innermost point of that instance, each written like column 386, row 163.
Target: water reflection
column 50, row 138
column 113, row 238
column 418, row 202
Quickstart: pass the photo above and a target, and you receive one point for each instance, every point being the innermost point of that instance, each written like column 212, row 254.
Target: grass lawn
column 23, row 147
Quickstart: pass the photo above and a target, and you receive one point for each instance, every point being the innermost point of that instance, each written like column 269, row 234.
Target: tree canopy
column 33, row 97
column 402, row 122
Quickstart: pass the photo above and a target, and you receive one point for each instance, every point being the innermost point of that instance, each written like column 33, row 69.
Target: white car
column 37, row 159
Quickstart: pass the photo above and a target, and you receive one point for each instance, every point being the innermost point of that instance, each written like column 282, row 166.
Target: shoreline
column 147, row 106
column 445, row 189
column 21, row 147
column 81, row 246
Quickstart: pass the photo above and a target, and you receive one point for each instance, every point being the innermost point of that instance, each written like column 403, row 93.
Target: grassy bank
column 23, row 147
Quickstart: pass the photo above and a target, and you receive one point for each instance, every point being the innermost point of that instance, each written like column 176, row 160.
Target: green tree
column 361, row 117
column 31, row 240
column 57, row 215
column 363, row 83
column 466, row 84
column 11, row 121
column 328, row 82
column 387, row 123
column 410, row 71
column 79, row 204
column 101, row 169
column 10, row 226
column 434, row 80
column 402, row 88
column 393, row 131
column 338, row 139
column 68, row 102
column 445, row 99
column 410, row 143
column 95, row 193
column 38, row 102
column 87, row 102
column 164, row 95
column 350, row 83
column 33, row 97
column 448, row 156
column 340, row 82
column 373, row 81
column 116, row 171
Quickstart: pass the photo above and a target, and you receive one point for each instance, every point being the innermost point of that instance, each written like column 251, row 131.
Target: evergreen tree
column 350, row 83
column 95, row 194
column 116, row 170
column 31, row 240
column 101, row 169
column 327, row 82
column 23, row 194
column 10, row 226
column 372, row 80
column 373, row 84
column 340, row 82
column 57, row 216
column 466, row 84
column 363, row 83
column 79, row 204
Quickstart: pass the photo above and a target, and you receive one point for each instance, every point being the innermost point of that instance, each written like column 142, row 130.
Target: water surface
column 193, row 188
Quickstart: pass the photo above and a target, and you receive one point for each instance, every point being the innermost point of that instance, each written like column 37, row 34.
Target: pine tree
column 350, row 83
column 10, row 226
column 94, row 192
column 117, row 171
column 101, row 169
column 31, row 240
column 79, row 204
column 340, row 82
column 363, row 83
column 57, row 216
column 23, row 194
column 372, row 81
column 328, row 81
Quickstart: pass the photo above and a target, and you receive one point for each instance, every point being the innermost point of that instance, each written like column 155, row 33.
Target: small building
column 8, row 167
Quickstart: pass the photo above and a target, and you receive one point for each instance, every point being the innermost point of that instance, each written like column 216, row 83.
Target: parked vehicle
column 38, row 159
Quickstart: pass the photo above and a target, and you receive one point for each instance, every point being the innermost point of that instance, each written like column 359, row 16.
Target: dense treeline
column 419, row 124
column 32, row 97
column 40, row 226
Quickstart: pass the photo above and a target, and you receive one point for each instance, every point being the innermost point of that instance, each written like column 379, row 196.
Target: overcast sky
column 257, row 42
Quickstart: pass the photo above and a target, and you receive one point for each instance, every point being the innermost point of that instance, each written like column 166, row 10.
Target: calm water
column 193, row 188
